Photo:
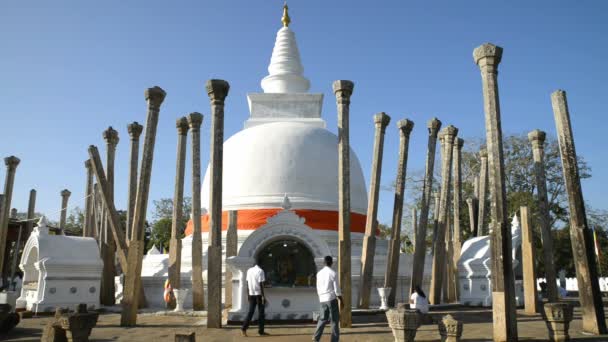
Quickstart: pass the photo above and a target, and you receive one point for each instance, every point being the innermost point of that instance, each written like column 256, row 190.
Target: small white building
column 59, row 271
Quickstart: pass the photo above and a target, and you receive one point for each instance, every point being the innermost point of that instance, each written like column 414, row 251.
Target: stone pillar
column 343, row 90
column 11, row 167
column 439, row 258
column 195, row 120
column 487, row 58
column 65, row 197
column 381, row 120
column 457, row 203
column 420, row 247
column 558, row 317
column 537, row 139
column 483, row 193
column 217, row 91
column 527, row 256
column 135, row 130
column 472, row 205
column 450, row 329
column 31, row 212
column 87, row 229
column 582, row 242
column 175, row 244
column 108, row 246
column 392, row 267
column 414, row 226
column 232, row 241
column 133, row 294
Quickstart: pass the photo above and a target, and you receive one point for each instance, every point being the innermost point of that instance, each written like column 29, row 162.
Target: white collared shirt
column 255, row 276
column 327, row 285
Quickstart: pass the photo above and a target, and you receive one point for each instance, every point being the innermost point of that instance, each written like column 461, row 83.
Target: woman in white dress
column 419, row 301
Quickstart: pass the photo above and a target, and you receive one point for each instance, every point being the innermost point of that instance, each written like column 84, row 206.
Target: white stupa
column 280, row 174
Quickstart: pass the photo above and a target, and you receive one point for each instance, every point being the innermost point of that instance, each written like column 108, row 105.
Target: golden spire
column 285, row 19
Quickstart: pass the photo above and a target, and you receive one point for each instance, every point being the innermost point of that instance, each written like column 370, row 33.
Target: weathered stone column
column 343, row 90
column 381, row 120
column 439, row 257
column 457, row 203
column 217, row 91
column 175, row 244
column 487, row 58
column 392, row 266
column 9, row 181
column 590, row 296
column 31, row 212
column 537, row 139
column 527, row 256
column 232, row 241
column 414, row 226
column 195, row 120
column 135, row 130
column 483, row 193
column 87, row 229
column 65, row 197
column 108, row 246
column 420, row 247
column 472, row 205
column 133, row 294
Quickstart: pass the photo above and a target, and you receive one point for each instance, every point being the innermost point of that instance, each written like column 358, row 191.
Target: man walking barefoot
column 329, row 295
column 255, row 288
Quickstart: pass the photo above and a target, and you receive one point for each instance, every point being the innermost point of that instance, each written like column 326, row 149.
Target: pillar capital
column 87, row 164
column 217, row 89
column 195, row 120
column 405, row 126
column 110, row 135
column 434, row 125
column 449, row 134
column 537, row 138
column 459, row 143
column 382, row 119
column 155, row 96
column 11, row 162
column 483, row 153
column 469, row 201
column 65, row 193
column 135, row 130
column 182, row 125
column 343, row 89
column 487, row 56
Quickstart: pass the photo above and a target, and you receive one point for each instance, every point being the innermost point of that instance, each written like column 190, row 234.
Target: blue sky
column 70, row 69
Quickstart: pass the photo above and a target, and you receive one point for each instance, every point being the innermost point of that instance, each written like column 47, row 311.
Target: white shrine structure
column 280, row 174
column 59, row 271
column 475, row 269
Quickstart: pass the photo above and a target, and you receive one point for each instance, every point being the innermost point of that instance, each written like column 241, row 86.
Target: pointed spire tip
column 285, row 19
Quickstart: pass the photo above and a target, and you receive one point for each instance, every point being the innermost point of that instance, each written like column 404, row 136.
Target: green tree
column 160, row 234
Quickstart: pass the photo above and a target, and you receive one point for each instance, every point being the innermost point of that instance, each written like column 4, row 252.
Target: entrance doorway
column 287, row 263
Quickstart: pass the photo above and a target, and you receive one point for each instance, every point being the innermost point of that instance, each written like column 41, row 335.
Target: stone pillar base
column 558, row 316
column 450, row 329
column 404, row 322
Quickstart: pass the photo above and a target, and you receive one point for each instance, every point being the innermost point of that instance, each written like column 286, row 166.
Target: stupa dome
column 264, row 163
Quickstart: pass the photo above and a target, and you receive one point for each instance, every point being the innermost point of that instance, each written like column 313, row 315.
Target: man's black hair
column 329, row 260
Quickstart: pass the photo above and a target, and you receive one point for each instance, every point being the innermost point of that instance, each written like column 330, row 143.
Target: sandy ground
column 478, row 327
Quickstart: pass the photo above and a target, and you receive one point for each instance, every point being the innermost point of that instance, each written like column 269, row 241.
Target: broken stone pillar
column 31, row 212
column 87, row 229
column 108, row 246
column 78, row 325
column 11, row 167
column 133, row 293
column 381, row 120
column 527, row 257
column 457, row 203
column 217, row 91
column 450, row 329
column 420, row 247
column 590, row 296
column 472, row 205
column 65, row 197
column 487, row 57
column 195, row 121
column 537, row 139
column 558, row 316
column 232, row 241
column 439, row 257
column 135, row 130
column 483, row 193
column 404, row 322
column 343, row 90
column 175, row 243
column 392, row 267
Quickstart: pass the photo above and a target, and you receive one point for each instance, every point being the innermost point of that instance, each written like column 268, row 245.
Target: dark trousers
column 253, row 301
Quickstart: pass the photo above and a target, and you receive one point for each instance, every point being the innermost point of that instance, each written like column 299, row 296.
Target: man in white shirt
column 329, row 294
column 255, row 289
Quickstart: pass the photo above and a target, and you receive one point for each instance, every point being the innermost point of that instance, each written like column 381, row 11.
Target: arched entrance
column 287, row 263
